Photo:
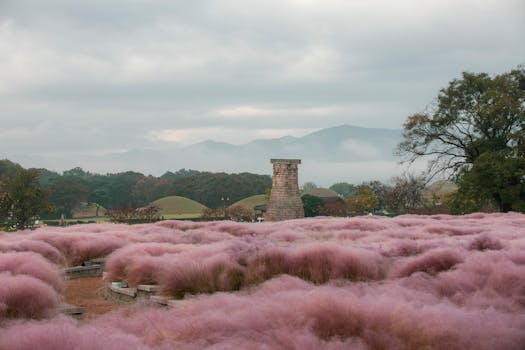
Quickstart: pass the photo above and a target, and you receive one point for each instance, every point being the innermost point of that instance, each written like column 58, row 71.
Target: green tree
column 21, row 199
column 8, row 168
column 493, row 180
column 311, row 205
column 67, row 195
column 149, row 189
column 475, row 119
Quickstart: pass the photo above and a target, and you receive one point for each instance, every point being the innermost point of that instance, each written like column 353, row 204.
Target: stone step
column 83, row 271
column 71, row 310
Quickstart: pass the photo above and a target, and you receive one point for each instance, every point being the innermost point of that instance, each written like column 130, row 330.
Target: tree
column 335, row 208
column 363, row 202
column 475, row 117
column 344, row 189
column 379, row 189
column 406, row 194
column 21, row 199
column 150, row 213
column 149, row 189
column 239, row 213
column 311, row 205
column 308, row 186
column 8, row 168
column 67, row 195
column 494, row 179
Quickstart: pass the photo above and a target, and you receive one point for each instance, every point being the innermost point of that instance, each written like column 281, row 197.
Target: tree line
column 67, row 191
column 407, row 193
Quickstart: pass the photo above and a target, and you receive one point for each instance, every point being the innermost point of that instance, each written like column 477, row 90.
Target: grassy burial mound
column 176, row 206
column 250, row 202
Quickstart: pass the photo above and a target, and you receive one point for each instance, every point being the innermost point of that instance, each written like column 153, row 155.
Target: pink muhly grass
column 320, row 263
column 325, row 316
column 431, row 262
column 23, row 296
column 143, row 270
column 453, row 230
column 46, row 250
column 32, row 264
column 406, row 248
column 118, row 263
column 485, row 280
column 182, row 276
column 485, row 242
column 63, row 333
column 315, row 263
column 266, row 265
column 80, row 247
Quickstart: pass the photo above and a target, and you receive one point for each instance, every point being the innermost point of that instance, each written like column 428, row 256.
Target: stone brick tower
column 285, row 201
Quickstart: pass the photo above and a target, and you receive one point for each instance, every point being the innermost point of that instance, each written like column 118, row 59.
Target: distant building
column 327, row 195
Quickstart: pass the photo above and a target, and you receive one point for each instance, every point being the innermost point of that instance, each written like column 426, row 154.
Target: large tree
column 475, row 118
column 67, row 195
column 21, row 199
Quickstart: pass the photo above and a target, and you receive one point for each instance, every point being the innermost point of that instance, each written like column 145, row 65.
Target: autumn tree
column 21, row 199
column 475, row 126
column 363, row 202
column 406, row 193
column 333, row 208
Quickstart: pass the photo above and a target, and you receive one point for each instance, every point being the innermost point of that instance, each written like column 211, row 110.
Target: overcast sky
column 98, row 76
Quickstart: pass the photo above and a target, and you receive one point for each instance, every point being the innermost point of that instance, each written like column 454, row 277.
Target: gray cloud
column 78, row 76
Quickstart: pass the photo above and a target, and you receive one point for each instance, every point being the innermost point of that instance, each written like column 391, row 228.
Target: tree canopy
column 21, row 199
column 311, row 205
column 67, row 195
column 474, row 129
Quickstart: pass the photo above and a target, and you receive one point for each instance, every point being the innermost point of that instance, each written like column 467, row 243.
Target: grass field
column 174, row 207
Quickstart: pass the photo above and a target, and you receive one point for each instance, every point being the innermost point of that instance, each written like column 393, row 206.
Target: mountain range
column 341, row 153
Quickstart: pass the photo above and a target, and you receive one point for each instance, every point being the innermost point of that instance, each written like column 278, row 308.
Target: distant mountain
column 341, row 153
column 338, row 144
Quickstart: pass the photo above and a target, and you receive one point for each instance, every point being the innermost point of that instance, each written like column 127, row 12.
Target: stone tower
column 285, row 201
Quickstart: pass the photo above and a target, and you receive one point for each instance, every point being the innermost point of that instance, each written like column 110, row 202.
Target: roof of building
column 322, row 193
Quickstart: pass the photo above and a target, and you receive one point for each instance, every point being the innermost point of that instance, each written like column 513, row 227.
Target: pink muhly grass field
column 46, row 250
column 32, row 264
column 23, row 296
column 410, row 282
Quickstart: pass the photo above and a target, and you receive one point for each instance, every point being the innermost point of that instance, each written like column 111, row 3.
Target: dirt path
column 88, row 293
